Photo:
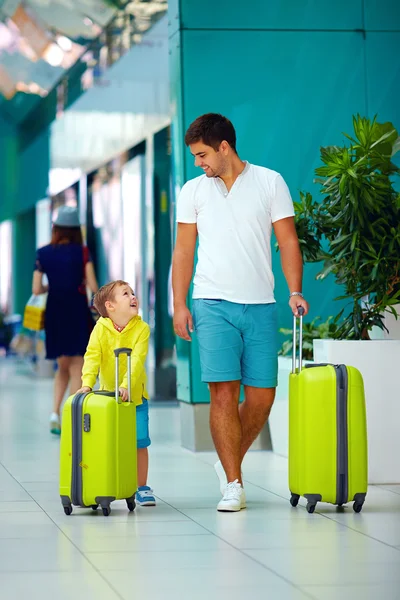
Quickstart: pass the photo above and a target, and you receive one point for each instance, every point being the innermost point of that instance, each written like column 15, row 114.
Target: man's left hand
column 295, row 302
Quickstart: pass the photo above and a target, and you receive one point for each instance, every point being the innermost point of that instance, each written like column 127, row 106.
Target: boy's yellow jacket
column 99, row 357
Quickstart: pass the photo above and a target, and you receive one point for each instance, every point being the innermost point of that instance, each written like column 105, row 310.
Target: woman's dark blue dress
column 68, row 322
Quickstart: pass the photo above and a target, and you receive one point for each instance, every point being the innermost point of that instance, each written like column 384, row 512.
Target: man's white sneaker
column 234, row 498
column 223, row 482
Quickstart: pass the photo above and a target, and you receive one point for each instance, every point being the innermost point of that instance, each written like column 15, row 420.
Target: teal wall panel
column 24, row 175
column 382, row 15
column 183, row 349
column 176, row 107
column 296, row 104
column 34, row 171
column 268, row 14
column 8, row 169
column 23, row 258
column 39, row 119
column 383, row 79
column 290, row 76
column 173, row 17
column 164, row 336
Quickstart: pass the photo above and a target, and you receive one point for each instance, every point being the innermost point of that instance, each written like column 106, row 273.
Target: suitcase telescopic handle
column 301, row 313
column 118, row 352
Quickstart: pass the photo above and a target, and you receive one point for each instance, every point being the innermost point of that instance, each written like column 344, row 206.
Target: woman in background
column 68, row 321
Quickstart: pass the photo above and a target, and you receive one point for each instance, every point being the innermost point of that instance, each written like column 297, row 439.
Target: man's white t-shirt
column 234, row 229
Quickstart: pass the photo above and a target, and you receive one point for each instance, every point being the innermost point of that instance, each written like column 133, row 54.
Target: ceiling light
column 6, row 37
column 64, row 43
column 31, row 88
column 53, row 55
column 34, row 88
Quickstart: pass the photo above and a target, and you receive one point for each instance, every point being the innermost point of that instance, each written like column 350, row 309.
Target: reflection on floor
column 183, row 548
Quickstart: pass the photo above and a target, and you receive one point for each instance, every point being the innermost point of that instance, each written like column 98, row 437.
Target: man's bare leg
column 254, row 413
column 226, row 428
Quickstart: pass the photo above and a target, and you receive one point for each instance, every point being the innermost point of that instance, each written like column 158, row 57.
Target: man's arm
column 291, row 259
column 182, row 271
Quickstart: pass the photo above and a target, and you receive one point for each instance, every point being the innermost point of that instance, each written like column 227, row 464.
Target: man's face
column 211, row 161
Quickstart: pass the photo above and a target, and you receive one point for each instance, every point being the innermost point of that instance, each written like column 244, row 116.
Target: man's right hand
column 183, row 322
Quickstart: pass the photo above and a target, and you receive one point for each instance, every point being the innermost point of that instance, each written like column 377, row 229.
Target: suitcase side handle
column 117, row 353
column 301, row 313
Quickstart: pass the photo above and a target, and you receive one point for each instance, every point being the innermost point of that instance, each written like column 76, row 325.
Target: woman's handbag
column 34, row 312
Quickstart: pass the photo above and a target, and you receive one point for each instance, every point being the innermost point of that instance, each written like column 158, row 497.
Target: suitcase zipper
column 342, row 434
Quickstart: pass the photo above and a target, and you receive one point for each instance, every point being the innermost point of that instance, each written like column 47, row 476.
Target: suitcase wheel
column 310, row 507
column 294, row 500
column 106, row 510
column 94, row 506
column 131, row 505
column 357, row 506
column 68, row 510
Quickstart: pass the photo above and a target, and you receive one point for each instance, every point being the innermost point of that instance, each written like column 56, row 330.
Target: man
column 232, row 208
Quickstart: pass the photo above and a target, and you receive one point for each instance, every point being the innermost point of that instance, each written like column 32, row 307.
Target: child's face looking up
column 124, row 305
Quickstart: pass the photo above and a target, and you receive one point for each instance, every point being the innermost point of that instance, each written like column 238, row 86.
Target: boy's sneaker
column 55, row 424
column 234, row 498
column 145, row 496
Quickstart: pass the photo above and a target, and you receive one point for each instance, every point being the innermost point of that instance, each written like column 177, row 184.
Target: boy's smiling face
column 124, row 305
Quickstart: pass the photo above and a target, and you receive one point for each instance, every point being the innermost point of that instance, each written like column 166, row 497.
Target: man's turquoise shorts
column 237, row 342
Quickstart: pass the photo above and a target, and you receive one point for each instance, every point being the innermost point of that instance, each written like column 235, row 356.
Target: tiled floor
column 183, row 548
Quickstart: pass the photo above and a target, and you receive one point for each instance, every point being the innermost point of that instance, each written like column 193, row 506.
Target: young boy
column 120, row 326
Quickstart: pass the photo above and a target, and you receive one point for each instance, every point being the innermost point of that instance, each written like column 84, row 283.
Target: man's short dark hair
column 211, row 129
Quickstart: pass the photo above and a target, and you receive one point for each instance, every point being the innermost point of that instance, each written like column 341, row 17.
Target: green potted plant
column 312, row 330
column 355, row 231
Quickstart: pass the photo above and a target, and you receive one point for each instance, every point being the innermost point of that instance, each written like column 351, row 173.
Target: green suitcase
column 98, row 455
column 327, row 433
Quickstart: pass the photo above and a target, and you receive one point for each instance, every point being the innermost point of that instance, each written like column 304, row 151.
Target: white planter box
column 392, row 325
column 279, row 418
column 379, row 364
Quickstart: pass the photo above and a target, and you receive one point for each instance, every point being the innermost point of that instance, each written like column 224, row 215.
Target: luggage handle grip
column 117, row 353
column 301, row 313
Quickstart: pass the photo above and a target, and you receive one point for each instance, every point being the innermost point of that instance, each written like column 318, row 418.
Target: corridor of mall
column 232, row 165
column 182, row 548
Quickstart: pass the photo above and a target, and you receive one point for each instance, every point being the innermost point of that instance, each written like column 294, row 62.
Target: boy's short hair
column 105, row 294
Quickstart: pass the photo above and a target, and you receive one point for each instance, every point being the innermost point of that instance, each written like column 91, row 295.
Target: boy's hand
column 123, row 392
column 84, row 390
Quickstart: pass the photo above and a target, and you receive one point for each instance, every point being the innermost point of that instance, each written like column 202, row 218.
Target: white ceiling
column 131, row 103
column 62, row 30
column 70, row 17
column 138, row 82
